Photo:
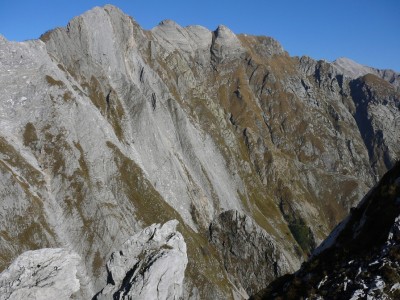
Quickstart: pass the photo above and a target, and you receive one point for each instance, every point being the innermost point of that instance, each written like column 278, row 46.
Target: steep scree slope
column 107, row 128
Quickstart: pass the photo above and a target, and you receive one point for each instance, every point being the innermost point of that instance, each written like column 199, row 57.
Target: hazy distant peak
column 346, row 60
column 351, row 68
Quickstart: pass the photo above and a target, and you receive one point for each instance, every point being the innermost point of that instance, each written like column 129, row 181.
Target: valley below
column 184, row 163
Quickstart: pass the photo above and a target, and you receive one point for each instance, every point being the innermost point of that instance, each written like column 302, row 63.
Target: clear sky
column 367, row 31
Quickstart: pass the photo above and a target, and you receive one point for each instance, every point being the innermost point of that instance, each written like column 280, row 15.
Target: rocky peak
column 225, row 34
column 169, row 23
column 187, row 39
column 351, row 68
column 150, row 265
column 226, row 44
column 108, row 128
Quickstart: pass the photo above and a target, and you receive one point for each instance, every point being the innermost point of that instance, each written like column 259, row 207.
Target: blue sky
column 367, row 31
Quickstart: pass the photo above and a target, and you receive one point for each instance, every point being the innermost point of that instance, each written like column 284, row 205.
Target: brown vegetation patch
column 53, row 82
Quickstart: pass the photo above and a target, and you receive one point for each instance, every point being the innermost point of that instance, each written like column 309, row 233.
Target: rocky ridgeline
column 107, row 128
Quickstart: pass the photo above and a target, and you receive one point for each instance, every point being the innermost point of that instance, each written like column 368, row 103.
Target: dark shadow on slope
column 378, row 152
column 363, row 235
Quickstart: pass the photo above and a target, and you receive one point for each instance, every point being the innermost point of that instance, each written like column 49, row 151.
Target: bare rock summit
column 150, row 265
column 107, row 129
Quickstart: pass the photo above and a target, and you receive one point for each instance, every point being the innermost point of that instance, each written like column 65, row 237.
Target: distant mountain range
column 187, row 163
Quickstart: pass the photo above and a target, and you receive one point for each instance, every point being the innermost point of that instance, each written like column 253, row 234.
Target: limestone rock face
column 150, row 265
column 250, row 254
column 41, row 274
column 106, row 128
column 377, row 116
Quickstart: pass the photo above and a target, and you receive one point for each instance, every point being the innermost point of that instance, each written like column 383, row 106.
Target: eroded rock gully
column 107, row 128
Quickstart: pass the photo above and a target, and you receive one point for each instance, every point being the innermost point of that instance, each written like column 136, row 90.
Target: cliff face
column 107, row 128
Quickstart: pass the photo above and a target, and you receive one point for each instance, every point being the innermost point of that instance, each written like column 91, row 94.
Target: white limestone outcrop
column 150, row 265
column 44, row 274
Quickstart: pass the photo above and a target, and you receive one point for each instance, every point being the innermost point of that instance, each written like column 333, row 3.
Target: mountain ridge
column 115, row 128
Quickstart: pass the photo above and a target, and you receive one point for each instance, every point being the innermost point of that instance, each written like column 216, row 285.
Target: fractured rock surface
column 250, row 253
column 43, row 274
column 150, row 265
column 107, row 128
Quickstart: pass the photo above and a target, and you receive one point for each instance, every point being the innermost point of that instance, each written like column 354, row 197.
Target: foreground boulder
column 41, row 274
column 150, row 265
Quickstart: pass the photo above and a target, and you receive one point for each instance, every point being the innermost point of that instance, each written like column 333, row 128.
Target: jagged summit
column 107, row 129
column 168, row 22
column 352, row 68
